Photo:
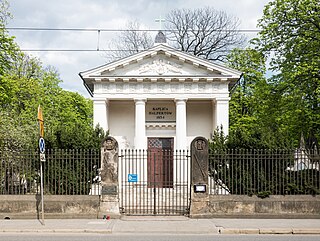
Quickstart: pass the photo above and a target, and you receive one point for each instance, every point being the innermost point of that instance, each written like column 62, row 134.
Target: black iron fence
column 264, row 172
column 154, row 182
column 19, row 172
column 65, row 172
column 72, row 172
column 235, row 172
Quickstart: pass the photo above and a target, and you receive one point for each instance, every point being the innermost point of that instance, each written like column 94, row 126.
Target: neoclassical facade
column 160, row 96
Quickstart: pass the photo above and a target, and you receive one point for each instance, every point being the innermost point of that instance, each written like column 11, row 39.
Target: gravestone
column 109, row 198
column 199, row 177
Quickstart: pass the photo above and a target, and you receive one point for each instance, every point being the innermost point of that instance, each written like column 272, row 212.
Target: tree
column 203, row 32
column 254, row 107
column 24, row 84
column 290, row 35
column 4, row 12
column 68, row 115
column 8, row 48
column 130, row 41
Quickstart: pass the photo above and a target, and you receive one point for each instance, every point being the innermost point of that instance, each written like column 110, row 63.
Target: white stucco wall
column 122, row 122
column 199, row 119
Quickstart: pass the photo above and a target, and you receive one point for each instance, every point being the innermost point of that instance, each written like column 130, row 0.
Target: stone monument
column 109, row 198
column 199, row 177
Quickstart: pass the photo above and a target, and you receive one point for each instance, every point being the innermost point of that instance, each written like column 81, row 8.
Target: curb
column 268, row 231
column 276, row 231
column 306, row 231
column 220, row 231
column 238, row 231
column 108, row 231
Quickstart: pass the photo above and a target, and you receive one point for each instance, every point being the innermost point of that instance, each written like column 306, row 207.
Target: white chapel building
column 160, row 95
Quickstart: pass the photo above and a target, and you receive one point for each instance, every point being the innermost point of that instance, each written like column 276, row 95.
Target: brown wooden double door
column 160, row 162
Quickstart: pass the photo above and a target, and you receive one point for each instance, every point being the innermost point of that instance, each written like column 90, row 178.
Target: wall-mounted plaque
column 109, row 190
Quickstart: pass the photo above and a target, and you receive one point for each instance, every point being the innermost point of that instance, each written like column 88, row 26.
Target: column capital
column 179, row 100
column 137, row 100
column 99, row 100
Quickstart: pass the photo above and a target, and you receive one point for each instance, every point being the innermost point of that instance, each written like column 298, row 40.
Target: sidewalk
column 168, row 225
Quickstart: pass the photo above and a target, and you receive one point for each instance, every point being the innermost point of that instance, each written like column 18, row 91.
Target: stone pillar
column 221, row 114
column 101, row 113
column 140, row 124
column 181, row 124
column 199, row 178
column 109, row 199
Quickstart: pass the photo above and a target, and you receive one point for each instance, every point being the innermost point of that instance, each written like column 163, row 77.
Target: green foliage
column 24, row 85
column 264, row 194
column 8, row 47
column 254, row 105
column 291, row 37
column 70, row 172
column 67, row 115
column 262, row 173
column 272, row 113
column 218, row 140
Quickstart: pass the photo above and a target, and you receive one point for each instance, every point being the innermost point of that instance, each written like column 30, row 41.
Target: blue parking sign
column 132, row 177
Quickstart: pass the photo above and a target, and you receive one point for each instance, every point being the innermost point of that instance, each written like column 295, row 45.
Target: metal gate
column 154, row 182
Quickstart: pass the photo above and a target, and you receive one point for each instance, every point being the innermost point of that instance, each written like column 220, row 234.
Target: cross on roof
column 160, row 21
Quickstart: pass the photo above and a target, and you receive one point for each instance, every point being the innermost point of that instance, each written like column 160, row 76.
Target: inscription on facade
column 160, row 113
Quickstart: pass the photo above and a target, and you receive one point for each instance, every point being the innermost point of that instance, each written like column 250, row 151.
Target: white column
column 221, row 114
column 140, row 124
column 181, row 124
column 101, row 113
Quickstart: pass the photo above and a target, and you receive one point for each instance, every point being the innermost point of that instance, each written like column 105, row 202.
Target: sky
column 100, row 14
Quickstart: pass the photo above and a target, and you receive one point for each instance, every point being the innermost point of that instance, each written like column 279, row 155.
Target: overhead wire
column 118, row 30
column 99, row 30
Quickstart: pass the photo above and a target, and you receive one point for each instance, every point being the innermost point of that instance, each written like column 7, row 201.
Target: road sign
column 132, row 177
column 42, row 146
column 42, row 157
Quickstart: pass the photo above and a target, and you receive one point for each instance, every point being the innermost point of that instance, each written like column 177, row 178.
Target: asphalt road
column 110, row 237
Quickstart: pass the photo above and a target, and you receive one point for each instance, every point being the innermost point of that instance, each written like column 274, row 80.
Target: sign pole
column 42, row 158
column 41, row 187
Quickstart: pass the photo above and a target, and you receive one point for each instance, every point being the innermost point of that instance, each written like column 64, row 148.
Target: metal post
column 41, row 187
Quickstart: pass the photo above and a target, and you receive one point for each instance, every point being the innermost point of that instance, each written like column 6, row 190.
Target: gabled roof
column 114, row 70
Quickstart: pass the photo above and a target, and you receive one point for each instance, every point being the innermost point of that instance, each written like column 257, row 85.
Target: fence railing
column 65, row 172
column 19, row 172
column 71, row 172
column 235, row 172
column 264, row 172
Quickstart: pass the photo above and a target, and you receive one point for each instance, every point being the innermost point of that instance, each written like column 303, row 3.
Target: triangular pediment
column 158, row 65
column 159, row 62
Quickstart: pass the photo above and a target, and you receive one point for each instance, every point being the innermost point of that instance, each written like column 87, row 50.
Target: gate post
column 199, row 177
column 109, row 198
